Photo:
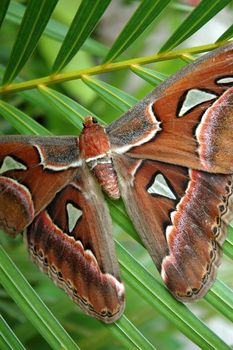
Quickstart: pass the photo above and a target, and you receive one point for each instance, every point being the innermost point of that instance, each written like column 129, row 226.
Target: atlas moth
column 170, row 158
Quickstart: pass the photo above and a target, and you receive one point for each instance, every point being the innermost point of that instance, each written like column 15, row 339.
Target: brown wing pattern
column 72, row 242
column 191, row 107
column 30, row 176
column 181, row 216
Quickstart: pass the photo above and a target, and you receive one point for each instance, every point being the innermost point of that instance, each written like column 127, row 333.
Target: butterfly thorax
column 94, row 148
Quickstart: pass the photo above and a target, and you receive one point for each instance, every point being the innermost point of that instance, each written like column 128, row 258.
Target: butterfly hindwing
column 72, row 242
column 181, row 216
column 197, row 231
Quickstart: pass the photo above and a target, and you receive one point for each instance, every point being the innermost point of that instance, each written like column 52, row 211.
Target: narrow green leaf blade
column 32, row 306
column 3, row 10
column 8, row 339
column 132, row 337
column 228, row 34
column 33, row 23
column 84, row 22
column 152, row 77
column 72, row 111
column 145, row 14
column 55, row 30
column 117, row 98
column 221, row 298
column 20, row 121
column 197, row 18
column 228, row 244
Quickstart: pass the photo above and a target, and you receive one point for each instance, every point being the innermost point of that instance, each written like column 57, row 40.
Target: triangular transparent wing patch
column 193, row 98
column 161, row 187
column 10, row 163
column 73, row 214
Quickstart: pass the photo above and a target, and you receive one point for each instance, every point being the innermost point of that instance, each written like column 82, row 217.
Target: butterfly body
column 170, row 158
column 95, row 150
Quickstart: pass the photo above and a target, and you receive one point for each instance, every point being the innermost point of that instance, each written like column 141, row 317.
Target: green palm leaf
column 198, row 18
column 145, row 14
column 3, row 9
column 227, row 34
column 83, row 24
column 8, row 338
column 33, row 23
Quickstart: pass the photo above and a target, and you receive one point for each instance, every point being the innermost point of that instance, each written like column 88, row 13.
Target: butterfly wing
column 181, row 216
column 32, row 170
column 187, row 120
column 71, row 241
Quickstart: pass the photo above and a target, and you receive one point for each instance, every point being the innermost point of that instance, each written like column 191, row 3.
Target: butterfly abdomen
column 106, row 176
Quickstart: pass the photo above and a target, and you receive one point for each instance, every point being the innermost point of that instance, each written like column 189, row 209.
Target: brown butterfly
column 170, row 158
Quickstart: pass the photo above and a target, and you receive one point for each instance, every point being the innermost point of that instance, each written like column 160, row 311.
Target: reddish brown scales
column 14, row 198
column 93, row 141
column 195, row 250
column 95, row 149
column 175, row 144
column 23, row 190
column 74, row 269
column 217, row 121
column 88, row 272
column 107, row 179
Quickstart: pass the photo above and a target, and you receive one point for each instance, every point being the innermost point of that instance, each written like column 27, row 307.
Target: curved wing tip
column 111, row 318
column 185, row 288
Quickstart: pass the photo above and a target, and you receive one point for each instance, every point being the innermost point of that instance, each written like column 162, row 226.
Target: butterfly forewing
column 188, row 116
column 32, row 170
column 72, row 242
